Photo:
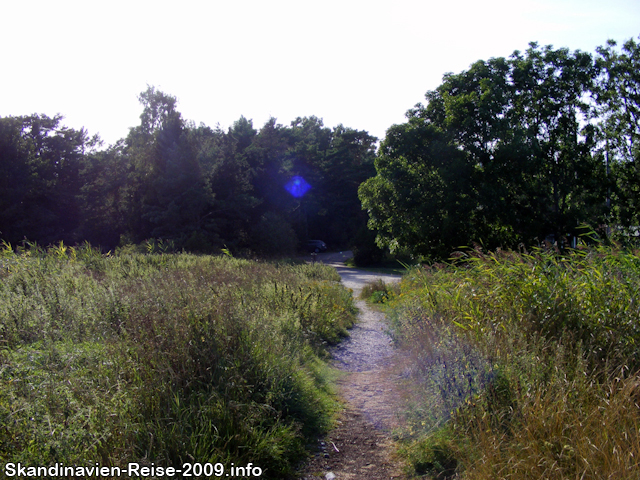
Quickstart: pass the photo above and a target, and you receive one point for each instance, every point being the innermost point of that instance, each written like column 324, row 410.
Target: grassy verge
column 526, row 365
column 164, row 359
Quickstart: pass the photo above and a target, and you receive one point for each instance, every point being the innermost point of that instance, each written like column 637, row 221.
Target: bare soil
column 361, row 445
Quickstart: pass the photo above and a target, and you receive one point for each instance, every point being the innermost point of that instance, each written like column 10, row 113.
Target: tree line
column 514, row 151
column 195, row 187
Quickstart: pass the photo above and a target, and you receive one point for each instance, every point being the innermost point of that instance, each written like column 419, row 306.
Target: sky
column 360, row 63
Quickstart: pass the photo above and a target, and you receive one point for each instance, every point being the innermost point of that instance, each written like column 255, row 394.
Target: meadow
column 164, row 358
column 525, row 365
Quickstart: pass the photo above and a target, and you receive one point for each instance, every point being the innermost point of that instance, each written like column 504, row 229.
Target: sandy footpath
column 360, row 446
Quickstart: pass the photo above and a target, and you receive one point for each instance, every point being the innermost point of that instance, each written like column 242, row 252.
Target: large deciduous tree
column 421, row 196
column 553, row 103
column 619, row 115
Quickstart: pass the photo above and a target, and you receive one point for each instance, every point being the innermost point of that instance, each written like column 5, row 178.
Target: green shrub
column 378, row 291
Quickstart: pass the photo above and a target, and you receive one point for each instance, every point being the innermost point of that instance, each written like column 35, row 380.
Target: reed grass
column 164, row 358
column 527, row 365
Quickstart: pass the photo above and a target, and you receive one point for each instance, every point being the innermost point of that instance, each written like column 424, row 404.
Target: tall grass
column 163, row 358
column 527, row 365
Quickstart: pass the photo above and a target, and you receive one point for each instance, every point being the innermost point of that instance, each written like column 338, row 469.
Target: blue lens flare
column 297, row 186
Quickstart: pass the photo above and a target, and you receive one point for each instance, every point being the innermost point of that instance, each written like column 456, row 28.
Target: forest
column 190, row 187
column 542, row 145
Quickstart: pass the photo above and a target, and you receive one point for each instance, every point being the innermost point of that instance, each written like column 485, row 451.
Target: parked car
column 316, row 246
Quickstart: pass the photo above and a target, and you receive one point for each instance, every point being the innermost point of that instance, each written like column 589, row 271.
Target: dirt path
column 360, row 446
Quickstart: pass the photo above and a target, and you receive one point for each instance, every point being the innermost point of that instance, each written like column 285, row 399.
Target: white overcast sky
column 362, row 63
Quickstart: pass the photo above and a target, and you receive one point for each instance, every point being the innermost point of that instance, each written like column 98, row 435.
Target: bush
column 378, row 291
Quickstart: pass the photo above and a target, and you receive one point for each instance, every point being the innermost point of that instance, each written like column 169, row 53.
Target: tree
column 502, row 154
column 473, row 111
column 167, row 188
column 619, row 127
column 273, row 168
column 349, row 162
column 421, row 197
column 332, row 161
column 40, row 162
column 552, row 109
column 229, row 177
column 15, row 179
column 104, row 196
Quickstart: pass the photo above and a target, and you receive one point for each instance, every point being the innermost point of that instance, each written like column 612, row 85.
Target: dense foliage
column 513, row 151
column 197, row 187
column 163, row 358
column 525, row 365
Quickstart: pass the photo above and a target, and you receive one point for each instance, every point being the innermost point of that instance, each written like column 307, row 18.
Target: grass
column 527, row 365
column 164, row 358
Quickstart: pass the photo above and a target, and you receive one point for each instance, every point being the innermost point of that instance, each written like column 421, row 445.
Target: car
column 316, row 246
